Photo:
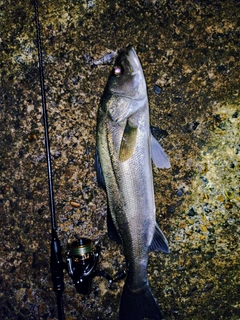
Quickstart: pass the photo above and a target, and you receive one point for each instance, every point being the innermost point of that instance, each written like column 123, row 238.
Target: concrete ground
column 190, row 54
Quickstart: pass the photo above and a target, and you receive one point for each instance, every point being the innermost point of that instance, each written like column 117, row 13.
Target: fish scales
column 136, row 201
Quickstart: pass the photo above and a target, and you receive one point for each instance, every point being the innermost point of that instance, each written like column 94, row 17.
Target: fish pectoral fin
column 128, row 142
column 159, row 241
column 159, row 157
column 98, row 169
column 112, row 231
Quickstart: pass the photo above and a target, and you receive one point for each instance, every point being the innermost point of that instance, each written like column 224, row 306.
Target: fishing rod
column 82, row 256
column 56, row 262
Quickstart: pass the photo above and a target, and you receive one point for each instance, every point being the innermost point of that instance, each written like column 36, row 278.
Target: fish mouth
column 133, row 59
column 127, row 57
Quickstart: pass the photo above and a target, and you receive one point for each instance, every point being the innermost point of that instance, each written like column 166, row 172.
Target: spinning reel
column 82, row 259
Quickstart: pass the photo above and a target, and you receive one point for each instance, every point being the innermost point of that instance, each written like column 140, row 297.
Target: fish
column 125, row 151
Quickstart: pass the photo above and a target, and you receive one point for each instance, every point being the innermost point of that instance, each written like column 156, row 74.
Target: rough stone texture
column 190, row 54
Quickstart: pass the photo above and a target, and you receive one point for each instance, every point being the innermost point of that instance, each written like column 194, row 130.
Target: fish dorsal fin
column 128, row 142
column 159, row 157
column 159, row 241
column 98, row 169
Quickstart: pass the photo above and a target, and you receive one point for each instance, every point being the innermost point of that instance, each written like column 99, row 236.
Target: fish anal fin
column 159, row 241
column 128, row 142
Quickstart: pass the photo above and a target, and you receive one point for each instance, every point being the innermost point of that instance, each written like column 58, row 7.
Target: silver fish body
column 126, row 149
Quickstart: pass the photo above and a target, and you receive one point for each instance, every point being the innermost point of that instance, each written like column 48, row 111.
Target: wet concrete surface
column 190, row 56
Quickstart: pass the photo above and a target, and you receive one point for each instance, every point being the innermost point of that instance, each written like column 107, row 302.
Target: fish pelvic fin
column 140, row 305
column 112, row 231
column 159, row 241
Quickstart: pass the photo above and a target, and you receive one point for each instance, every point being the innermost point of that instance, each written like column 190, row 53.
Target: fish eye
column 117, row 70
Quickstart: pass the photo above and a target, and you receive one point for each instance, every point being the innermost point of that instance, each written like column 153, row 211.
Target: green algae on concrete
column 207, row 238
column 215, row 201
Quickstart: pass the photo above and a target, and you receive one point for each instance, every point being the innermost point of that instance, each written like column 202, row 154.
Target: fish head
column 126, row 90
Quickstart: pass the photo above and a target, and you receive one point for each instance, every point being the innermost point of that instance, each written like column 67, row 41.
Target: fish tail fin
column 140, row 305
